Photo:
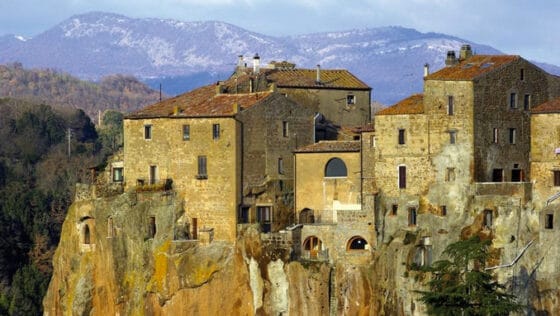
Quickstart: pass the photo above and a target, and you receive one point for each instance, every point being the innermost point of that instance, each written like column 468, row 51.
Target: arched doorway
column 313, row 245
column 306, row 216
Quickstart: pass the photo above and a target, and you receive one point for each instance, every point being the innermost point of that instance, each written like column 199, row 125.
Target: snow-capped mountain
column 184, row 55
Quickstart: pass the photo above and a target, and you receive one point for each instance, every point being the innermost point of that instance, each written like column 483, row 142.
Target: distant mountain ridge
column 184, row 55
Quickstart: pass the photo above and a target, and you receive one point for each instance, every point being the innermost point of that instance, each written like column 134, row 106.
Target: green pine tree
column 462, row 286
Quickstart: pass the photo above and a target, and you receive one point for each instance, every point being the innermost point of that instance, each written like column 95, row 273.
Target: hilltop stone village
column 278, row 191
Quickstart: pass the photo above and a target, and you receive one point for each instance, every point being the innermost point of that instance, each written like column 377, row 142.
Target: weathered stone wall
column 333, row 104
column 212, row 200
column 545, row 138
column 317, row 192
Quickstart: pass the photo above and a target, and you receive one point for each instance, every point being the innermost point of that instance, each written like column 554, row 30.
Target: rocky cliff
column 114, row 259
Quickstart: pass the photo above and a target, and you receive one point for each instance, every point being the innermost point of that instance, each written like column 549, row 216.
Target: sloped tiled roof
column 201, row 102
column 472, row 67
column 552, row 106
column 331, row 146
column 306, row 78
column 411, row 105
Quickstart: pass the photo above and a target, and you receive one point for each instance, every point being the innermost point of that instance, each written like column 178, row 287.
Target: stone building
column 335, row 93
column 220, row 152
column 328, row 202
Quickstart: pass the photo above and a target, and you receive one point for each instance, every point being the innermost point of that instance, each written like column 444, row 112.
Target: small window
column 186, row 132
column 350, row 99
column 522, row 74
column 452, row 137
column 556, row 178
column 488, row 218
column 336, row 168
column 394, row 209
column 495, row 135
column 202, row 173
column 443, row 209
column 118, row 174
column 450, row 109
column 87, row 235
column 356, row 243
column 153, row 174
column 151, row 227
column 215, row 131
column 527, row 102
column 280, row 166
column 401, row 138
column 264, row 218
column 549, row 221
column 402, row 177
column 147, row 131
column 512, row 135
column 243, row 215
column 412, row 216
column 450, row 174
column 110, row 228
column 285, row 131
column 512, row 100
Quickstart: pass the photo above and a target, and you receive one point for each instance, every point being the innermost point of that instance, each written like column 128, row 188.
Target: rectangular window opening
column 488, row 217
column 186, row 132
column 202, row 172
column 513, row 100
column 450, row 105
column 394, row 209
column 556, row 178
column 402, row 177
column 412, row 216
column 495, row 135
column 280, row 166
column 549, row 221
column 512, row 135
column 350, row 99
column 401, row 137
column 153, row 174
column 215, row 131
column 148, row 131
column 450, row 175
column 264, row 218
column 443, row 210
column 285, row 130
column 452, row 137
column 118, row 174
column 527, row 102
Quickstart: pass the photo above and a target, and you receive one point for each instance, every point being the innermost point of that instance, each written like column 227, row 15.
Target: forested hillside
column 118, row 92
column 39, row 166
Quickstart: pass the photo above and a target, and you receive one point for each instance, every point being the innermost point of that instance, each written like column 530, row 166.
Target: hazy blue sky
column 530, row 28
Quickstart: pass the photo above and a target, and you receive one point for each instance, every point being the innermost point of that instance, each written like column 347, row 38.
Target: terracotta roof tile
column 331, row 146
column 306, row 78
column 411, row 105
column 552, row 106
column 472, row 67
column 201, row 102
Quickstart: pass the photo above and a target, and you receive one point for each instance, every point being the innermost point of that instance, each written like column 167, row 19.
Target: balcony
column 517, row 189
column 142, row 185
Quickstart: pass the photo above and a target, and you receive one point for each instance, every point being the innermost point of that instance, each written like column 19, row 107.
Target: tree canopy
column 460, row 285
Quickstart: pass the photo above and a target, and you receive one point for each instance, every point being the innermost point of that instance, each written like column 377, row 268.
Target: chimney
column 465, row 52
column 240, row 61
column 426, row 69
column 451, row 59
column 318, row 79
column 256, row 63
column 219, row 87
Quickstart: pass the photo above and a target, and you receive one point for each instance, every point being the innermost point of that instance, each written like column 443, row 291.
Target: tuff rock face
column 126, row 266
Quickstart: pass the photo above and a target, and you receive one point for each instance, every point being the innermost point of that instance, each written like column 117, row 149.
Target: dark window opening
column 147, row 131
column 285, row 130
column 350, row 99
column 153, row 174
column 402, row 177
column 412, row 216
column 450, row 175
column 512, row 100
column 202, row 172
column 186, row 132
column 452, row 137
column 215, row 131
column 152, row 227
column 394, row 209
column 306, row 216
column 549, row 221
column 512, row 135
column 423, row 256
column 521, row 74
column 498, row 175
column 487, row 221
column 264, row 218
column 194, row 228
column 450, row 105
column 495, row 135
column 443, row 210
column 87, row 235
column 401, row 138
column 516, row 175
column 336, row 168
column 556, row 178
column 243, row 216
column 356, row 243
column 526, row 102
column 280, row 166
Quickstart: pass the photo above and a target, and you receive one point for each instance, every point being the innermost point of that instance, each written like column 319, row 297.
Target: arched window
column 356, row 243
column 306, row 216
column 312, row 243
column 87, row 237
column 336, row 168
